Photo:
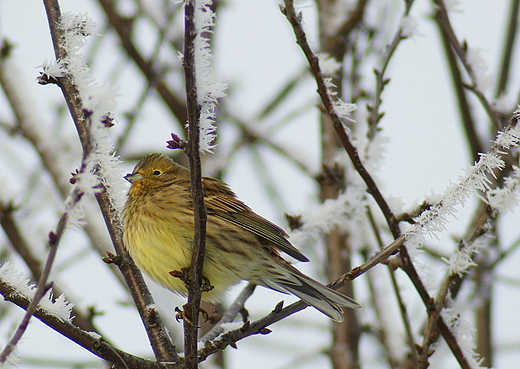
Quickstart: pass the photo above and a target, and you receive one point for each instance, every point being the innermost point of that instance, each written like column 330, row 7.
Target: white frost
column 479, row 68
column 59, row 307
column 332, row 213
column 328, row 65
column 208, row 89
column 408, row 26
column 506, row 197
column 341, row 108
column 462, row 259
column 464, row 332
column 477, row 178
column 98, row 101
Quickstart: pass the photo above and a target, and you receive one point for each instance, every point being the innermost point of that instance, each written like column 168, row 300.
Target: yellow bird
column 240, row 244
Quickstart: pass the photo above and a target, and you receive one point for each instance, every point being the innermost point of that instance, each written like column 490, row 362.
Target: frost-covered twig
column 15, row 236
column 459, row 262
column 405, row 30
column 434, row 219
column 476, row 178
column 72, row 203
column 11, row 288
column 202, row 93
column 49, row 148
column 336, row 110
column 85, row 98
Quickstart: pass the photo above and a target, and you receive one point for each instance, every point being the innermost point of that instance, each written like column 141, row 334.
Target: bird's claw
column 182, row 315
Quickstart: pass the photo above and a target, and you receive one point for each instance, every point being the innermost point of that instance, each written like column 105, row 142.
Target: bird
column 158, row 232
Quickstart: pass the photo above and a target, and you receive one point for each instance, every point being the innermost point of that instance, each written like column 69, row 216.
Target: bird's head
column 155, row 169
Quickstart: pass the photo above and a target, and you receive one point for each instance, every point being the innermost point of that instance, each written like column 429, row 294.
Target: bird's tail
column 323, row 298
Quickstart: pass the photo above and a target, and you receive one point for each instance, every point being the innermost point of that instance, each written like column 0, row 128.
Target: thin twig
column 381, row 81
column 441, row 16
column 19, row 244
column 397, row 292
column 507, row 51
column 54, row 241
column 468, row 122
column 230, row 313
column 123, row 28
column 301, row 40
column 194, row 278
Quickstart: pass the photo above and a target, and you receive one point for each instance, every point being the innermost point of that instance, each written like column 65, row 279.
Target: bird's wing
column 222, row 202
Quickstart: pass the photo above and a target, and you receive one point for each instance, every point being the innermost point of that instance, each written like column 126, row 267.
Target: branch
column 194, row 278
column 441, row 17
column 507, row 52
column 231, row 313
column 163, row 348
column 88, row 340
column 54, row 240
column 21, row 247
column 398, row 294
column 301, row 40
column 123, row 28
column 468, row 122
column 381, row 81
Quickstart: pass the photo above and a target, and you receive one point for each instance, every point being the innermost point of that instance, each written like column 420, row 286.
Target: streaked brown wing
column 222, row 202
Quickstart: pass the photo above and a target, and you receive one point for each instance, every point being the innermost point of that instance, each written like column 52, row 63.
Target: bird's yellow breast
column 159, row 233
column 156, row 245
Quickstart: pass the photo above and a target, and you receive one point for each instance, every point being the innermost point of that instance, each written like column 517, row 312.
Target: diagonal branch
column 441, row 17
column 19, row 244
column 505, row 65
column 301, row 40
column 71, row 202
column 123, row 28
column 86, row 339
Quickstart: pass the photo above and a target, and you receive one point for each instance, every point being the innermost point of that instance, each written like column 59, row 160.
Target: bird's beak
column 133, row 177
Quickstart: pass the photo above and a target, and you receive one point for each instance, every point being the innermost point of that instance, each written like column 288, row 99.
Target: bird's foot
column 184, row 276
column 183, row 315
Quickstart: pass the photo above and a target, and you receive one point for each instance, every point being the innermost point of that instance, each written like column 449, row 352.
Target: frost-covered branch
column 15, row 236
column 49, row 147
column 71, row 208
column 337, row 109
column 202, row 93
column 56, row 314
column 86, row 99
column 476, row 178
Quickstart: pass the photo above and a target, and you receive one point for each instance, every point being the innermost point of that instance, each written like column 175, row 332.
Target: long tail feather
column 323, row 298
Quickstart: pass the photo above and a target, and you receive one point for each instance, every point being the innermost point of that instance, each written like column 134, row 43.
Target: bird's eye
column 156, row 172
